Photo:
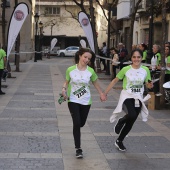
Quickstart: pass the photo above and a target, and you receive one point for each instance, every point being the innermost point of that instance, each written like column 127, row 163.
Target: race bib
column 135, row 89
column 80, row 92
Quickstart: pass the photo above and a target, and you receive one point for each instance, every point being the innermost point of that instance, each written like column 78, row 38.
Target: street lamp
column 40, row 39
column 109, row 3
column 36, row 18
column 52, row 25
column 41, row 27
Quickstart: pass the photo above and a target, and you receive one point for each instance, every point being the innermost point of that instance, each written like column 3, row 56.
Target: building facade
column 60, row 20
column 141, row 23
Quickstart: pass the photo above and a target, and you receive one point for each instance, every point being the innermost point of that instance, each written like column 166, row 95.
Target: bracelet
column 64, row 88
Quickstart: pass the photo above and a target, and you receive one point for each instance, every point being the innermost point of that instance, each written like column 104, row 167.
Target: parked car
column 69, row 51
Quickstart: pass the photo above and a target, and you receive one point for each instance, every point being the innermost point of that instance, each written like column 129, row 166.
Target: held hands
column 103, row 97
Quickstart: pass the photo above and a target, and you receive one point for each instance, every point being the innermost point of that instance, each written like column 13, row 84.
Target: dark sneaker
column 120, row 146
column 118, row 127
column 79, row 153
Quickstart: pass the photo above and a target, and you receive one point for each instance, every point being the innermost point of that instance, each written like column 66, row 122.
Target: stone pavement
column 36, row 132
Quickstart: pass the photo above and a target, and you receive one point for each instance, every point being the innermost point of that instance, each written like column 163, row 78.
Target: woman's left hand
column 103, row 97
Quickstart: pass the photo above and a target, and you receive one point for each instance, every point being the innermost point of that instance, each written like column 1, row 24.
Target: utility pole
column 17, row 48
column 3, row 25
column 108, row 40
column 150, row 33
column 162, row 77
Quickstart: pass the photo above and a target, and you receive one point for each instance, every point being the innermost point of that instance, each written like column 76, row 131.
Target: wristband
column 64, row 88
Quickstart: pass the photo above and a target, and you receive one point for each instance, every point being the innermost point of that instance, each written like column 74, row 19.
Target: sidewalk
column 36, row 132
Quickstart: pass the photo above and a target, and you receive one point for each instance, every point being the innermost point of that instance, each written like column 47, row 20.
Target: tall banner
column 17, row 19
column 86, row 25
column 53, row 43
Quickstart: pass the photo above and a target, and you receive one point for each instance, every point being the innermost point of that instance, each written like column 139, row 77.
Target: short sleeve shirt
column 2, row 56
column 79, row 84
column 133, row 79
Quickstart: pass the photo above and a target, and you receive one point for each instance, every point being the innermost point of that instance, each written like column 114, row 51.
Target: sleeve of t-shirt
column 148, row 76
column 68, row 74
column 3, row 53
column 159, row 58
column 168, row 59
column 121, row 74
column 94, row 76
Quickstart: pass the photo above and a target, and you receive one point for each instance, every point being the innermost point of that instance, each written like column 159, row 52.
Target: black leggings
column 79, row 115
column 129, row 118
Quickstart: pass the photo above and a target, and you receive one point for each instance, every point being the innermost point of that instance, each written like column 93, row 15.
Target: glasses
column 136, row 56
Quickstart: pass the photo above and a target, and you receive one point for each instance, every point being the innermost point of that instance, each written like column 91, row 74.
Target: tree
column 3, row 24
column 92, row 20
column 162, row 77
column 91, row 14
column 17, row 48
column 132, row 20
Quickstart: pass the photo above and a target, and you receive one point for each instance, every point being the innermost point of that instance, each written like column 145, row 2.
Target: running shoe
column 120, row 146
column 79, row 153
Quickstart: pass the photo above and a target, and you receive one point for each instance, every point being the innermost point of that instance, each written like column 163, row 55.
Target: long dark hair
column 81, row 52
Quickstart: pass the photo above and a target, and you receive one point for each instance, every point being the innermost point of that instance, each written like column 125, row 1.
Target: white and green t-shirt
column 133, row 79
column 79, row 84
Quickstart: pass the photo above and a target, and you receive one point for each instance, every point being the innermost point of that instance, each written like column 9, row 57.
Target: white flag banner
column 17, row 19
column 83, row 43
column 85, row 23
column 53, row 43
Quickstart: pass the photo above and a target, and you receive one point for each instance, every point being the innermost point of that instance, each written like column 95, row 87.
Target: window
column 52, row 10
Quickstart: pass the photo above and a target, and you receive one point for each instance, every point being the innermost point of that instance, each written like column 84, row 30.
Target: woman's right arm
column 64, row 89
column 113, row 82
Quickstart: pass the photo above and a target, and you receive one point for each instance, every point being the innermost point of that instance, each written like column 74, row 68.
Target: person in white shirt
column 77, row 83
column 156, row 58
column 134, row 76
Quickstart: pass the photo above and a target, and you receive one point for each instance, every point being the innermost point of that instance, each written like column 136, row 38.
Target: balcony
column 142, row 6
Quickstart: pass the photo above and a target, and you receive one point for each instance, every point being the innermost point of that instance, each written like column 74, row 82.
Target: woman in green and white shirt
column 78, row 78
column 134, row 76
